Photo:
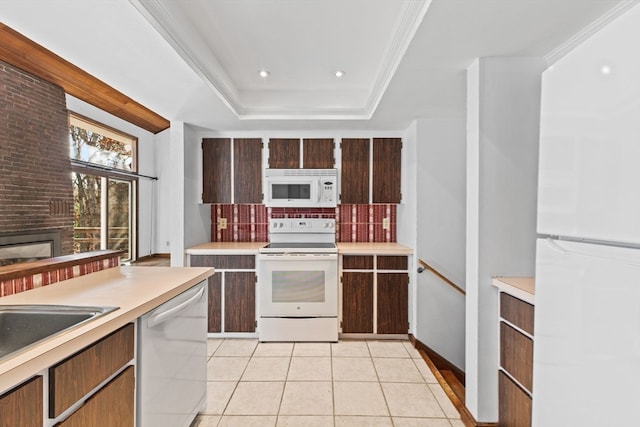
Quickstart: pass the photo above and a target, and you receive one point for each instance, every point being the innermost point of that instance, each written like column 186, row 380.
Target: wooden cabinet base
column 22, row 406
column 514, row 409
column 112, row 406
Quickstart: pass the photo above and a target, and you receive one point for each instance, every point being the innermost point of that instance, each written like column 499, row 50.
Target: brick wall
column 35, row 171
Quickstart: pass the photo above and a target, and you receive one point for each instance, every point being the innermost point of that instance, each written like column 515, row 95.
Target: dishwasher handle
column 161, row 315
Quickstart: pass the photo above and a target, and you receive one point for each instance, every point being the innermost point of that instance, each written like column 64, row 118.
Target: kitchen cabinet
column 111, row 406
column 366, row 161
column 76, row 376
column 515, row 376
column 375, row 294
column 284, row 153
column 23, row 405
column 232, row 292
column 317, row 153
column 219, row 184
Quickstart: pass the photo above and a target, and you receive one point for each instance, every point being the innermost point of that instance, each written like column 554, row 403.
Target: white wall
column 196, row 214
column 190, row 221
column 440, row 230
column 146, row 166
column 503, row 115
column 407, row 214
column 164, row 189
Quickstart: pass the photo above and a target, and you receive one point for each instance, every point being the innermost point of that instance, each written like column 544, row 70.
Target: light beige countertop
column 373, row 249
column 523, row 288
column 226, row 248
column 135, row 290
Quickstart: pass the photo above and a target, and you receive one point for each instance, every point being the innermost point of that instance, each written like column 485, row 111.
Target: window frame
column 84, row 167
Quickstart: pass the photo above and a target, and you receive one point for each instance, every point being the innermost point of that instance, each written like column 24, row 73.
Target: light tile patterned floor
column 346, row 384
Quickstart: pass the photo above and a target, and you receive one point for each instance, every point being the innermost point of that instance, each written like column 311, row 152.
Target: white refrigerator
column 587, row 302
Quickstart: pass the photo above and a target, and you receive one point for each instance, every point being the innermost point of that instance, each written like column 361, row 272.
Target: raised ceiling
column 301, row 44
column 196, row 61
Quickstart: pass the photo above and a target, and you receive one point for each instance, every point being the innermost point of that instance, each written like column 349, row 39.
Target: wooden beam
column 23, row 53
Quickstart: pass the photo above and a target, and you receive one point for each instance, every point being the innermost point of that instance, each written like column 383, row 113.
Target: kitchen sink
column 22, row 326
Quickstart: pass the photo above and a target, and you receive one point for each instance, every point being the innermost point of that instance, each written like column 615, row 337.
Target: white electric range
column 298, row 281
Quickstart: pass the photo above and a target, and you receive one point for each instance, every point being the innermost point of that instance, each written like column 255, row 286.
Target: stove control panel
column 302, row 225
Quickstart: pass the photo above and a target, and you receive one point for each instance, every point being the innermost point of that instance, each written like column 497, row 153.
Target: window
column 104, row 187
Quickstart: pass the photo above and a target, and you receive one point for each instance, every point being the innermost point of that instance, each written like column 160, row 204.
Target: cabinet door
column 22, row 406
column 317, row 153
column 357, row 302
column 111, row 406
column 216, row 170
column 387, row 161
column 247, row 170
column 284, row 153
column 514, row 405
column 239, row 301
column 76, row 376
column 355, row 171
column 214, row 307
column 393, row 303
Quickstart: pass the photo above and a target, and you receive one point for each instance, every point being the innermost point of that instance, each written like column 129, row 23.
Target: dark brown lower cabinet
column 111, row 406
column 236, row 288
column 514, row 408
column 357, row 302
column 239, row 301
column 515, row 377
column 214, row 306
column 77, row 375
column 23, row 405
column 386, row 278
column 393, row 303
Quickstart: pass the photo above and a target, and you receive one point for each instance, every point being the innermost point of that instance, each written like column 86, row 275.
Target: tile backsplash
column 37, row 280
column 354, row 223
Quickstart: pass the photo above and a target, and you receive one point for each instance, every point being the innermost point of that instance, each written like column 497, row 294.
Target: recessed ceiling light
column 264, row 73
column 340, row 74
column 606, row 70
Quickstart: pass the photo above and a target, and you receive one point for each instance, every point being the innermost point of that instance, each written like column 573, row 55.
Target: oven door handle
column 298, row 257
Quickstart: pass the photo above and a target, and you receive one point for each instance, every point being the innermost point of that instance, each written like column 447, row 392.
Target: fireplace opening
column 28, row 246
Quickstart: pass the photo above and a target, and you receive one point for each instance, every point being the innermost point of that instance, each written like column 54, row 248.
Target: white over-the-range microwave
column 302, row 188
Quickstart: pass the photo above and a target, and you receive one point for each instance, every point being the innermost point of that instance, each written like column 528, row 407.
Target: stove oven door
column 298, row 285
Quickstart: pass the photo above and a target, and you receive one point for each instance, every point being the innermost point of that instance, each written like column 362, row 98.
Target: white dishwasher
column 172, row 361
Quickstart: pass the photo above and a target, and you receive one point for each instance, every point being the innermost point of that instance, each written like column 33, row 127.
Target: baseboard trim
column 465, row 415
column 440, row 362
column 147, row 257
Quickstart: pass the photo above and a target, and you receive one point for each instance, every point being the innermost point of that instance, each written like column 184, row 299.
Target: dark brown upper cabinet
column 217, row 159
column 216, row 170
column 247, row 170
column 387, row 161
column 354, row 180
column 385, row 170
column 317, row 153
column 284, row 153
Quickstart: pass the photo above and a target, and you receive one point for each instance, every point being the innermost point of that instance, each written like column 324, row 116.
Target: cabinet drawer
column 111, row 406
column 357, row 262
column 76, row 376
column 514, row 407
column 224, row 262
column 23, row 405
column 392, row 262
column 516, row 355
column 517, row 312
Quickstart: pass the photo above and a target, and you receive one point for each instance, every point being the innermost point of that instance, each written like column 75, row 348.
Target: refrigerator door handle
column 554, row 245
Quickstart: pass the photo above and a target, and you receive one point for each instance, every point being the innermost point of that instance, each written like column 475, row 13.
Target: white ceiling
column 197, row 61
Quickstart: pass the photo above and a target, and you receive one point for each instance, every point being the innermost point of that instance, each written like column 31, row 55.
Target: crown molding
column 578, row 38
column 204, row 63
